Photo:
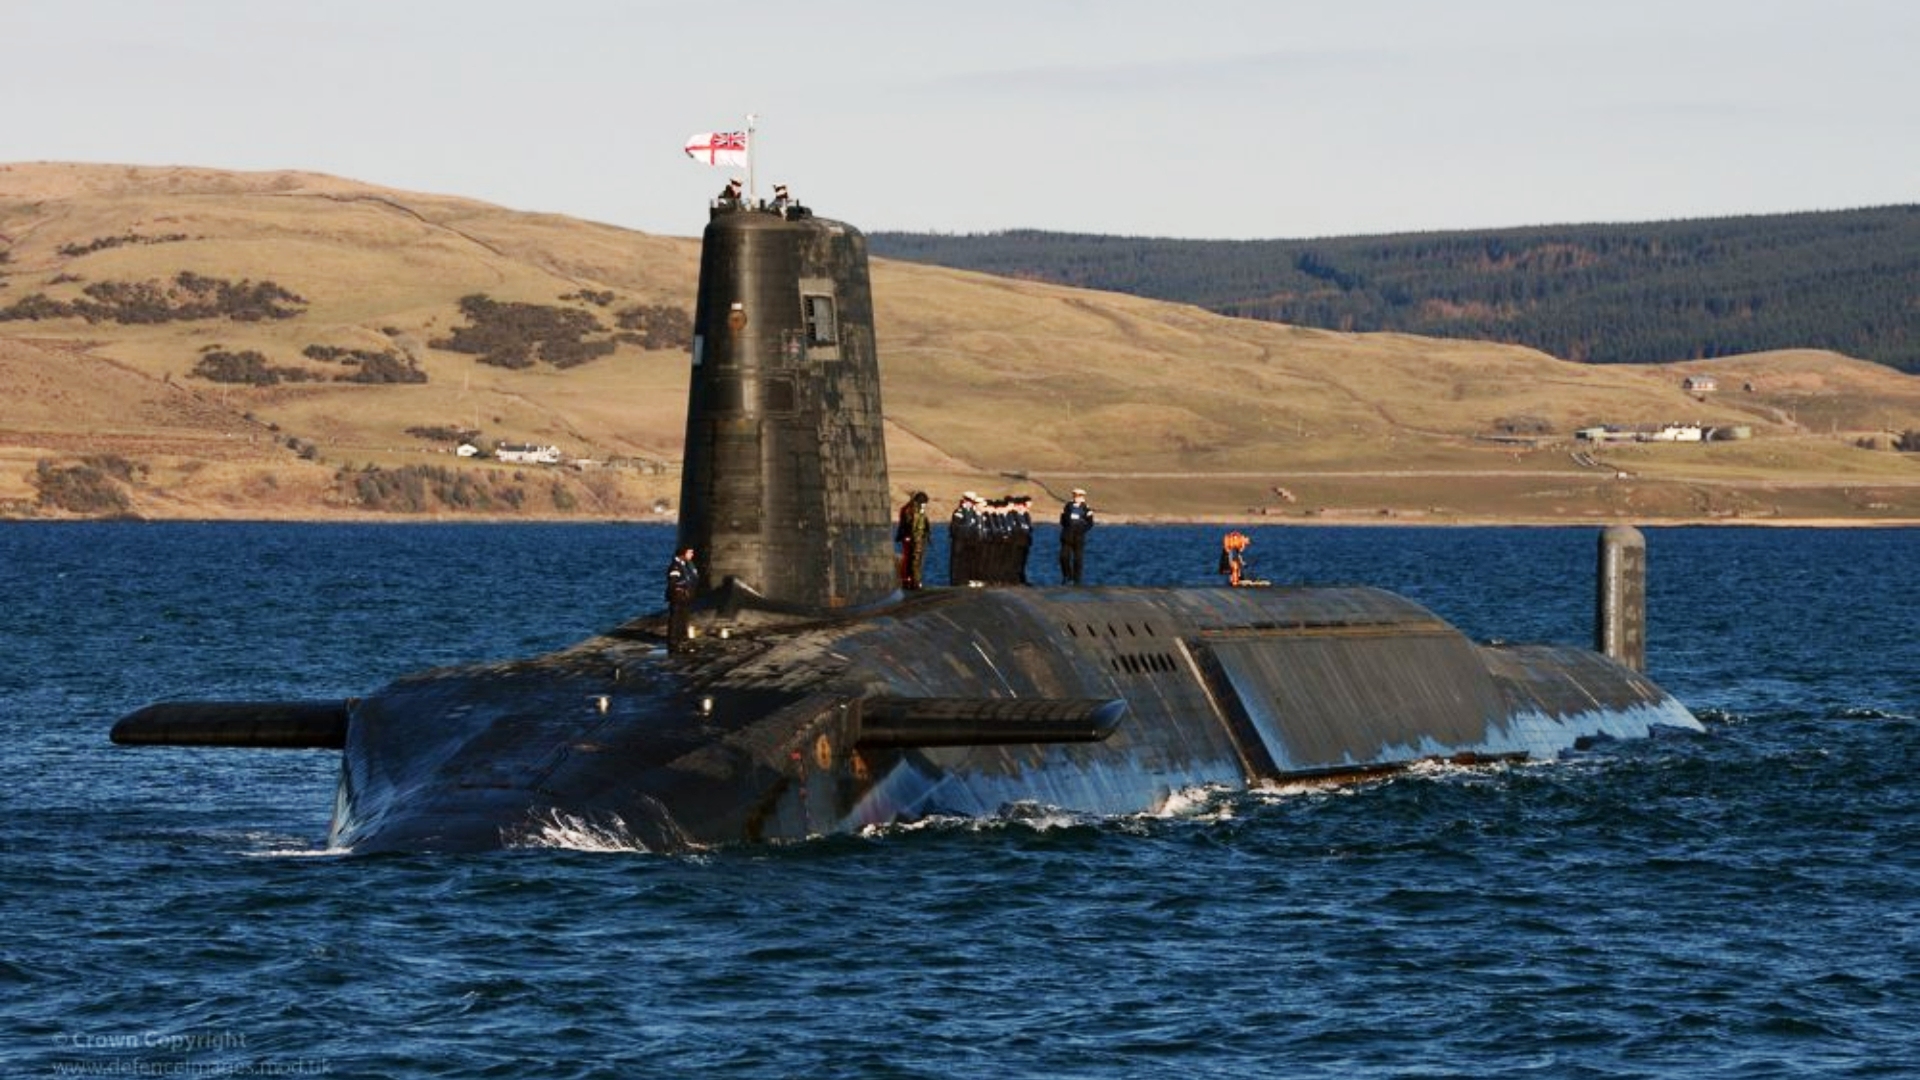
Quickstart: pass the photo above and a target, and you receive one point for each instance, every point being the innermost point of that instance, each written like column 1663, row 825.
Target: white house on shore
column 1663, row 433
column 527, row 454
column 1678, row 433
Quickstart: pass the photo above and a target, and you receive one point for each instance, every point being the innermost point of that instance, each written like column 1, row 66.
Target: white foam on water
column 1034, row 816
column 556, row 829
column 1272, row 791
column 298, row 853
column 932, row 822
column 1201, row 802
column 271, row 845
column 1039, row 817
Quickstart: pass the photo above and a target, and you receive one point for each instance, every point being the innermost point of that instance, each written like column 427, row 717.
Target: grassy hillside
column 131, row 298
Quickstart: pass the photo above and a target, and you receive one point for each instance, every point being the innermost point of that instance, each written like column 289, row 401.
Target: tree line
column 1656, row 292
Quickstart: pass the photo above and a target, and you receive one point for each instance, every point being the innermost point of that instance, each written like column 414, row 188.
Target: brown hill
column 132, row 298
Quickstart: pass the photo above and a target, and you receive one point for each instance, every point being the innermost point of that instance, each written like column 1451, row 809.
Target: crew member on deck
column 996, row 544
column 913, row 533
column 963, row 541
column 1233, row 561
column 1022, row 517
column 1076, row 521
column 683, row 579
column 730, row 195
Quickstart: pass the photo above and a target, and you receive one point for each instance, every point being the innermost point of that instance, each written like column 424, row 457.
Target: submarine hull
column 820, row 699
column 769, row 733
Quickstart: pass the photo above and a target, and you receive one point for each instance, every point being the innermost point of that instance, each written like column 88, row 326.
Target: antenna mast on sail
column 753, row 192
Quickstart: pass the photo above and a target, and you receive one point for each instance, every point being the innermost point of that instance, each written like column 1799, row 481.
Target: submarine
column 819, row 698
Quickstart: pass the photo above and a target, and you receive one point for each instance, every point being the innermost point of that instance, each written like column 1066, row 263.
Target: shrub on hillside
column 187, row 297
column 657, row 326
column 35, row 306
column 384, row 369
column 511, row 334
column 243, row 301
column 566, row 354
column 121, row 469
column 94, row 486
column 369, row 366
column 1523, row 425
column 415, row 489
column 104, row 242
column 442, row 433
column 247, row 367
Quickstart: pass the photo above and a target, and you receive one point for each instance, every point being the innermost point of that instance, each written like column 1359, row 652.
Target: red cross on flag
column 727, row 148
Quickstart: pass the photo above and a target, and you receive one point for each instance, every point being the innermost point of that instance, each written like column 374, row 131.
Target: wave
column 552, row 828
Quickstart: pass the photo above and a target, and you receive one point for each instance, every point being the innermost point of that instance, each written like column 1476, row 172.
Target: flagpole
column 753, row 191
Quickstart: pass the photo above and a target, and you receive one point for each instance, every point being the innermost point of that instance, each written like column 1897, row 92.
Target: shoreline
column 1107, row 518
column 1387, row 522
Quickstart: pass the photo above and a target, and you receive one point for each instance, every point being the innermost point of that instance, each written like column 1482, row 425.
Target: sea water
column 1743, row 903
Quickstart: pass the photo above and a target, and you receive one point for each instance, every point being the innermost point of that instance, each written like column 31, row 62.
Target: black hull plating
column 757, row 736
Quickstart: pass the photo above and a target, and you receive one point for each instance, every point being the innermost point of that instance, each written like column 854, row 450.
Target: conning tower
column 784, row 496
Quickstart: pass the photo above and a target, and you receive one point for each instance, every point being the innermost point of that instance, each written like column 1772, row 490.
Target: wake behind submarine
column 820, row 699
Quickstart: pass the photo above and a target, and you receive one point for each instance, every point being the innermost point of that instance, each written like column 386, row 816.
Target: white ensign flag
column 727, row 148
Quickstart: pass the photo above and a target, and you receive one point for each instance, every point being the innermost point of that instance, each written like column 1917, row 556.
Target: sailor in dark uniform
column 683, row 580
column 1076, row 521
column 730, row 195
column 1021, row 516
column 996, row 543
column 963, row 541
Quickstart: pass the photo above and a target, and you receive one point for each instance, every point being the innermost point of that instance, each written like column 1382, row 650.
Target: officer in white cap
column 1076, row 521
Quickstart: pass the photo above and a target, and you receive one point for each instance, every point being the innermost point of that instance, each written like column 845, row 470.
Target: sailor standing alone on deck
column 1076, row 521
column 683, row 579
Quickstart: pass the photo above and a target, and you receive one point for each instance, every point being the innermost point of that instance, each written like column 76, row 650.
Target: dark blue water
column 1738, row 904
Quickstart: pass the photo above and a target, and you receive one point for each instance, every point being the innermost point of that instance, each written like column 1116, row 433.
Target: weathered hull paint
column 1223, row 688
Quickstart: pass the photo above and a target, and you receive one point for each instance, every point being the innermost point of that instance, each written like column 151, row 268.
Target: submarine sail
column 820, row 699
column 784, row 492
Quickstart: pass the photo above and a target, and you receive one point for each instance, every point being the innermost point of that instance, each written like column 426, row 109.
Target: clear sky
column 1186, row 118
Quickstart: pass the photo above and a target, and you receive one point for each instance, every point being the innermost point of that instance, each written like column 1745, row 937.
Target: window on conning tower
column 821, row 328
